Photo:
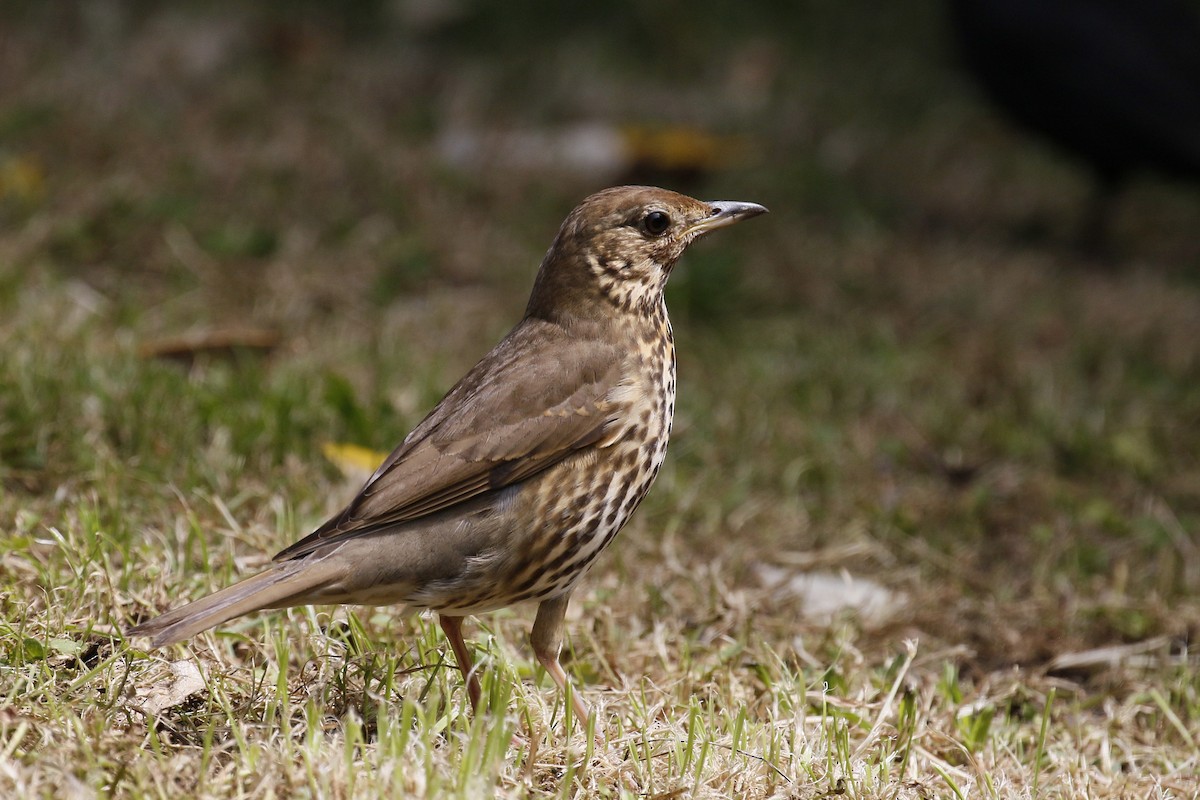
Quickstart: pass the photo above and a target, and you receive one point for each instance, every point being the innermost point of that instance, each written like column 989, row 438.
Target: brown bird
column 528, row 467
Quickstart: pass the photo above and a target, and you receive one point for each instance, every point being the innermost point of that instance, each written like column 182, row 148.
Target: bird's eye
column 656, row 223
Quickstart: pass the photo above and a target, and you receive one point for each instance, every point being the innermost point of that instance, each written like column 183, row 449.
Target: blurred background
column 413, row 142
column 924, row 365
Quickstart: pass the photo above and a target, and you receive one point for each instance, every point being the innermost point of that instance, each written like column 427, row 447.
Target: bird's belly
column 564, row 519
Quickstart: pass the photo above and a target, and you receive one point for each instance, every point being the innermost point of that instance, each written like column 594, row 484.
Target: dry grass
column 929, row 523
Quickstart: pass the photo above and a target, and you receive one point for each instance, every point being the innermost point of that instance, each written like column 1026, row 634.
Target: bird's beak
column 724, row 212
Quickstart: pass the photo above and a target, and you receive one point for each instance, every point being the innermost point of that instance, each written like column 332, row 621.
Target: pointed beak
column 725, row 212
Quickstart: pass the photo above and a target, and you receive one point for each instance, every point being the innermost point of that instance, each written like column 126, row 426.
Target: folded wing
column 536, row 398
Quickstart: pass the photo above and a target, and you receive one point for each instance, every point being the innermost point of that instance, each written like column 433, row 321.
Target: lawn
column 929, row 526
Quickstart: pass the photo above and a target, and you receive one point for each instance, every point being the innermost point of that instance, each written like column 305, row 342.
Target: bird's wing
column 537, row 397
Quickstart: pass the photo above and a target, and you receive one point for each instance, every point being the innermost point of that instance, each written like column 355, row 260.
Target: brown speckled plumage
column 531, row 464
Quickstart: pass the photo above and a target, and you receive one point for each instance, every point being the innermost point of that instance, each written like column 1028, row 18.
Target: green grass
column 887, row 378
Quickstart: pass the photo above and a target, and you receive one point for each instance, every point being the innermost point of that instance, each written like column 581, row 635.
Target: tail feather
column 285, row 584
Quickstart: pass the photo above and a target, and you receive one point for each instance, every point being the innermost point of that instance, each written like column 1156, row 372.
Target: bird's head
column 617, row 248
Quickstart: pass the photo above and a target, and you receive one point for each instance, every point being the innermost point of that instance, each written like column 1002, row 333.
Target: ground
column 928, row 524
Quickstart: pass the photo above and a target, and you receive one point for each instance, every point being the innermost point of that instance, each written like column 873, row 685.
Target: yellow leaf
column 21, row 179
column 352, row 459
column 679, row 147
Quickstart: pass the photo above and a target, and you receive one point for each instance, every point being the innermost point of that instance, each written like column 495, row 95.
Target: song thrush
column 528, row 467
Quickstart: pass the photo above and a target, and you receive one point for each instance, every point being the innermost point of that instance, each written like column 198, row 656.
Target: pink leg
column 546, row 639
column 453, row 629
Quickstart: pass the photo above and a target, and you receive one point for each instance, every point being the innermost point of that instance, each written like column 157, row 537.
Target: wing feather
column 536, row 398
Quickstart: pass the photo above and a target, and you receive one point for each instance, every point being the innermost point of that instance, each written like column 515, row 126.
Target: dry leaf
column 183, row 682
column 217, row 343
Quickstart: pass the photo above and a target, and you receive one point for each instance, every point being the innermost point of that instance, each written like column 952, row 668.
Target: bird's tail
column 285, row 584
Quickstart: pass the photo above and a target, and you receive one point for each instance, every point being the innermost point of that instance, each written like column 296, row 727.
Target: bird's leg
column 546, row 638
column 453, row 628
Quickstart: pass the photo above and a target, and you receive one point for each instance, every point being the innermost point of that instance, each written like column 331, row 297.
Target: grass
column 903, row 381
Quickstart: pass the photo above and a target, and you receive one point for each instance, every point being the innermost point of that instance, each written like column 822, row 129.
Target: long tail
column 285, row 584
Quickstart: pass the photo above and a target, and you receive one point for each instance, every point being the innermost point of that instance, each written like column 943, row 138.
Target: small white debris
column 825, row 595
column 585, row 148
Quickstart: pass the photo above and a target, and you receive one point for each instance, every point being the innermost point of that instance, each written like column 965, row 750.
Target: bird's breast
column 574, row 509
column 614, row 479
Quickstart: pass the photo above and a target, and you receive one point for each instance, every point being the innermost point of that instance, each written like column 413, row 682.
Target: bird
column 1115, row 84
column 529, row 466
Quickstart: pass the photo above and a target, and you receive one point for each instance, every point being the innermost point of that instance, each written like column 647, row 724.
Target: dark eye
column 656, row 223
